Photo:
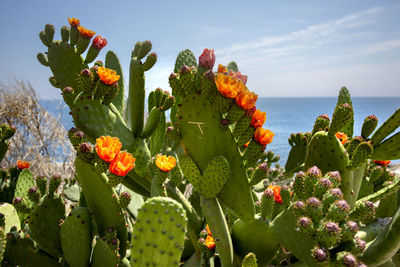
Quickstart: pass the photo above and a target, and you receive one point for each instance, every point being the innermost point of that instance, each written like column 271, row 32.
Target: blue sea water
column 292, row 115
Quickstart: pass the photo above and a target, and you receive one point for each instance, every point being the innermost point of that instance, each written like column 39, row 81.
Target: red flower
column 382, row 163
column 342, row 137
column 85, row 32
column 122, row 163
column 99, row 42
column 23, row 164
column 210, row 243
column 165, row 163
column 277, row 193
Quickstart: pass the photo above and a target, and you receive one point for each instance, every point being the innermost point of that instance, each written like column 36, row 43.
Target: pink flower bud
column 99, row 42
column 207, row 59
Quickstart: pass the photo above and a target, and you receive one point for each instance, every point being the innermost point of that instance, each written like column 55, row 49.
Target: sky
column 287, row 48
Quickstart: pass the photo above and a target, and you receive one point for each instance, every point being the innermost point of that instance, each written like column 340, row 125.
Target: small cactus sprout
column 329, row 234
column 335, row 178
column 369, row 125
column 55, row 181
column 207, row 59
column 306, row 225
column 339, row 210
column 314, row 209
column 125, row 199
column 314, row 172
column 349, row 229
column 34, row 194
column 346, row 259
column 320, row 254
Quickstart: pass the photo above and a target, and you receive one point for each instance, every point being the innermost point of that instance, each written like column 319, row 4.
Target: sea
column 288, row 115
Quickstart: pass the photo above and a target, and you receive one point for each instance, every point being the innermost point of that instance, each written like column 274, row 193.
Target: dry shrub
column 40, row 137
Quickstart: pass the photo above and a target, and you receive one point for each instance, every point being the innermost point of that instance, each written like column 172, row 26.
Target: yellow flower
column 108, row 147
column 165, row 163
column 107, row 76
column 210, row 243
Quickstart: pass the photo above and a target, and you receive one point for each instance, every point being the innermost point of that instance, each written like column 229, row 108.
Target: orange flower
column 258, row 118
column 263, row 136
column 85, row 32
column 23, row 164
column 165, row 163
column 107, row 147
column 382, row 163
column 277, row 193
column 222, row 69
column 247, row 144
column 107, row 76
column 73, row 22
column 208, row 230
column 342, row 137
column 122, row 163
column 246, row 99
column 229, row 86
column 210, row 243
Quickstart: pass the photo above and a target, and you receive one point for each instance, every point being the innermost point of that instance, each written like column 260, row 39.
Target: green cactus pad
column 297, row 153
column 388, row 149
column 213, row 179
column 152, row 122
column 158, row 138
column 232, row 66
column 185, row 57
column 25, row 181
column 141, row 153
column 285, row 229
column 361, row 154
column 158, row 234
column 11, row 217
column 112, row 62
column 326, row 152
column 97, row 120
column 44, row 224
column 21, row 251
column 369, row 126
column 76, row 239
column 203, row 138
column 65, row 64
column 255, row 237
column 341, row 117
column 344, row 97
column 103, row 201
column 321, row 123
column 103, row 255
column 250, row 260
column 386, row 128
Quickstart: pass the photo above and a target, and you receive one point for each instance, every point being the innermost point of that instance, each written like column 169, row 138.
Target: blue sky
column 287, row 48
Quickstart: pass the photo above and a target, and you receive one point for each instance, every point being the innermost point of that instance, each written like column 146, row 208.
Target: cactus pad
column 158, row 234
